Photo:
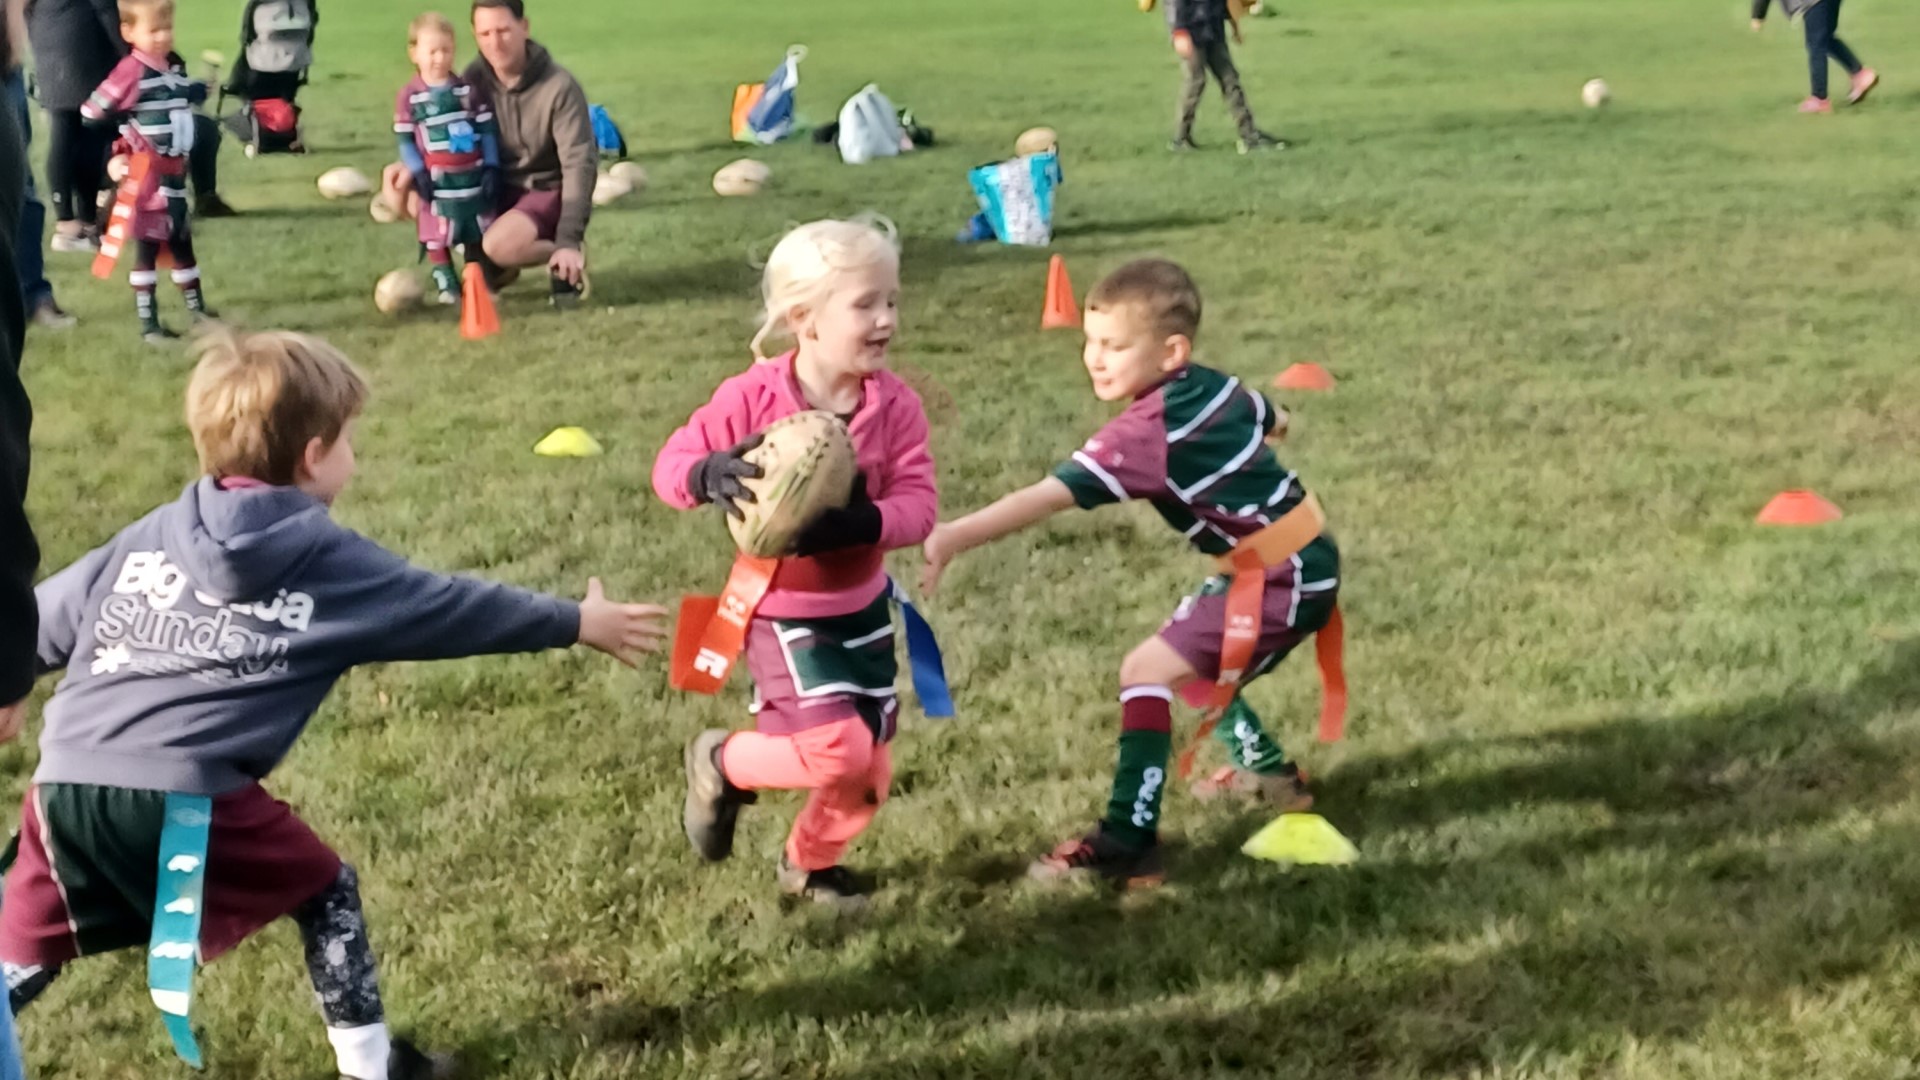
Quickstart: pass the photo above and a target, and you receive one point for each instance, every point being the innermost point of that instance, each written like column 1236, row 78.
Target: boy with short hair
column 1200, row 30
column 151, row 92
column 448, row 144
column 197, row 644
column 1194, row 443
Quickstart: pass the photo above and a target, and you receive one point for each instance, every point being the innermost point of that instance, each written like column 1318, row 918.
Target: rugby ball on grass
column 630, row 173
column 807, row 465
column 343, row 183
column 743, row 177
column 397, row 291
column 1595, row 93
column 608, row 188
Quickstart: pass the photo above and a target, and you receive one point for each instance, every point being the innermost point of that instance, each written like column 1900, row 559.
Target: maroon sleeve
column 1126, row 459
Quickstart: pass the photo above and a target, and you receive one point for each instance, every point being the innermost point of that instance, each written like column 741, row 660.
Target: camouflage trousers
column 1214, row 57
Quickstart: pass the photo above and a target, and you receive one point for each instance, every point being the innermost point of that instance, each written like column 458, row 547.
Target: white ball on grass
column 343, row 183
column 1595, row 93
column 398, row 291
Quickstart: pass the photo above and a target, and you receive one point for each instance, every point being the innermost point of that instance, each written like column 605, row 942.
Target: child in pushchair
column 276, row 49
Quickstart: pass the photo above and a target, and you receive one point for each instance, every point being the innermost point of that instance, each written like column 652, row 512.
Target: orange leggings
column 840, row 763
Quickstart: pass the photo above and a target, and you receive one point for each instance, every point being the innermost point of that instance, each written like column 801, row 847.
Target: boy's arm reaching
column 422, row 615
column 1011, row 513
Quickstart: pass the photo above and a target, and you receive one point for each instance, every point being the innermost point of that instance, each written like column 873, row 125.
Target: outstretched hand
column 938, row 550
column 622, row 631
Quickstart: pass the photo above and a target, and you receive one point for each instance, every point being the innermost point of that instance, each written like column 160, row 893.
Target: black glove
column 856, row 524
column 196, row 93
column 716, row 478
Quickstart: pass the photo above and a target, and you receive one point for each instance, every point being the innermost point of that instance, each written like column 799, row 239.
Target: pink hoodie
column 890, row 439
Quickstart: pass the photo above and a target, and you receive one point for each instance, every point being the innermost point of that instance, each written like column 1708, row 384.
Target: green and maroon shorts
column 81, row 871
column 810, row 672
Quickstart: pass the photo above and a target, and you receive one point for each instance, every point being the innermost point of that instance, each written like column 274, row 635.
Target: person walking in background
column 1200, row 29
column 1822, row 19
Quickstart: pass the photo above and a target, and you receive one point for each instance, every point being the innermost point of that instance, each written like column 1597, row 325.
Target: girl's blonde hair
column 806, row 265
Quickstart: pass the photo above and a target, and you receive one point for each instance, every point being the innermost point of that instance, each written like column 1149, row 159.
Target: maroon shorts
column 543, row 207
column 87, row 863
column 1290, row 614
column 809, row 672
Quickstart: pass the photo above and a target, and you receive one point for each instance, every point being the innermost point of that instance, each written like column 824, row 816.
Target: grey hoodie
column 200, row 640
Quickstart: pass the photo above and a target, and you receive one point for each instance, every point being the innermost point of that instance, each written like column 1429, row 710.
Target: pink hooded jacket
column 890, row 439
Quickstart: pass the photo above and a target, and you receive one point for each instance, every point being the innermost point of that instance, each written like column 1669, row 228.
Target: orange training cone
column 1798, row 507
column 478, row 318
column 1304, row 377
column 1061, row 312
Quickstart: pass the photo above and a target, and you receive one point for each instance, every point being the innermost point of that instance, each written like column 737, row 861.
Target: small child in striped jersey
column 1195, row 443
column 149, row 95
column 449, row 146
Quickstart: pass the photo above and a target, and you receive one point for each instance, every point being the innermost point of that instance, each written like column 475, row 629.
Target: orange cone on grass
column 1061, row 313
column 1798, row 507
column 478, row 318
column 1304, row 377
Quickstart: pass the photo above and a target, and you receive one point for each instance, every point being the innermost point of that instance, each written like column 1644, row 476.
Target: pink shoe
column 1863, row 84
column 1816, row 105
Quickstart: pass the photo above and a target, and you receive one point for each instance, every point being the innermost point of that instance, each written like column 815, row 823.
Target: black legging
column 1823, row 21
column 76, row 165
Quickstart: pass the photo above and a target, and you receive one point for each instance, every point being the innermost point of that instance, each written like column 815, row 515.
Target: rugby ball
column 1595, row 93
column 807, row 466
column 743, row 177
column 398, row 291
column 117, row 167
column 343, row 183
column 608, row 188
column 630, row 173
column 381, row 210
column 1036, row 141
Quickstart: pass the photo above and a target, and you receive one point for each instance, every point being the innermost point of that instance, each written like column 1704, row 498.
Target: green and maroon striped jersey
column 151, row 93
column 1196, row 448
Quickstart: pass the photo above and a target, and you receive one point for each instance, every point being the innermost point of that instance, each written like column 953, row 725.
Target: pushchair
column 276, row 49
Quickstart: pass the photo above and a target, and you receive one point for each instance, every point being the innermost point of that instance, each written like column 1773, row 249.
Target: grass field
column 1633, row 777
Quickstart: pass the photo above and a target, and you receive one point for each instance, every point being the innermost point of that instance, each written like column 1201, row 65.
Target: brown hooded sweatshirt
column 546, row 136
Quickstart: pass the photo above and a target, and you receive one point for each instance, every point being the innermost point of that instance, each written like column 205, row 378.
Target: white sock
column 361, row 1051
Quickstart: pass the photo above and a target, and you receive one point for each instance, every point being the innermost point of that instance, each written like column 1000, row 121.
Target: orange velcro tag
column 1329, row 647
column 710, row 659
column 1184, row 766
column 1283, row 539
column 120, row 218
column 695, row 613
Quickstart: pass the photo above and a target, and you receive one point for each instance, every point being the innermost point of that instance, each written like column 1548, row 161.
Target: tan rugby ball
column 630, row 173
column 807, row 466
column 343, row 183
column 608, row 188
column 743, row 177
column 398, row 291
column 1037, row 140
column 381, row 210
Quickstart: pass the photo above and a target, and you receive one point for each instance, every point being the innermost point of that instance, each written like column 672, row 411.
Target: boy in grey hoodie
column 197, row 644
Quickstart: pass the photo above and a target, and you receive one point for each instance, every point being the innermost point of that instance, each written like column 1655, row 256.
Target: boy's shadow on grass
column 1663, row 871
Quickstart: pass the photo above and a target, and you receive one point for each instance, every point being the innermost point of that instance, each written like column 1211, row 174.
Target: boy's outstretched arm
column 1011, row 513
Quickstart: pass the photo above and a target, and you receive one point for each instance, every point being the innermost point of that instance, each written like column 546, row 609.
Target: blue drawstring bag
column 606, row 133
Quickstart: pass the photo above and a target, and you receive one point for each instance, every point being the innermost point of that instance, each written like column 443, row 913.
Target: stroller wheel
column 252, row 150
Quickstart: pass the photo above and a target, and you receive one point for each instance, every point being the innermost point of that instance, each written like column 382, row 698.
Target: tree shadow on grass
column 1627, row 880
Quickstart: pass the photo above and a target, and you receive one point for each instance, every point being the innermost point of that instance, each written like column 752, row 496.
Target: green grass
column 1633, row 777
